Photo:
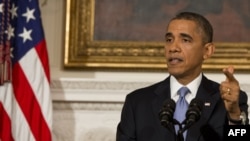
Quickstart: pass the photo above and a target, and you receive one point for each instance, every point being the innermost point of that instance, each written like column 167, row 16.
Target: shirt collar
column 192, row 86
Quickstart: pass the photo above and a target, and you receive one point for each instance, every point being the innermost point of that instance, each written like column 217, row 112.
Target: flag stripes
column 31, row 97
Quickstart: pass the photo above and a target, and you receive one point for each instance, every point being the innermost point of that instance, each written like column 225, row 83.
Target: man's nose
column 174, row 47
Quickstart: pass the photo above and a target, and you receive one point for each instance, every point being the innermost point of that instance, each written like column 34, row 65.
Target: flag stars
column 11, row 52
column 1, row 7
column 10, row 32
column 13, row 11
column 26, row 35
column 29, row 14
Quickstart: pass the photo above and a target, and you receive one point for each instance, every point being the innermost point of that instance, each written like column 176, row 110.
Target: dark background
column 146, row 20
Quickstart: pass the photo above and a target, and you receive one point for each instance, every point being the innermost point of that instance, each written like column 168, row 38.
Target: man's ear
column 208, row 50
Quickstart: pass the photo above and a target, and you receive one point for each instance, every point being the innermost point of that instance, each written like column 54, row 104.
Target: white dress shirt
column 192, row 86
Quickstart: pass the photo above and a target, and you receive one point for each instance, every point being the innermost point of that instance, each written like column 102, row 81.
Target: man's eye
column 168, row 39
column 186, row 40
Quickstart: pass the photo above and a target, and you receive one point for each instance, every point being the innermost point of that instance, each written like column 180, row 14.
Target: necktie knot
column 183, row 91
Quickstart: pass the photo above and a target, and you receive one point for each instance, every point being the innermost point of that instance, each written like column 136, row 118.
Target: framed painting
column 129, row 34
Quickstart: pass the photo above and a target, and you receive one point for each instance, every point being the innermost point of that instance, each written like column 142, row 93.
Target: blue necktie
column 181, row 108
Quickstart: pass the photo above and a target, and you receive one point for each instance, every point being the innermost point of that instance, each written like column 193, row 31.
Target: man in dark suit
column 189, row 41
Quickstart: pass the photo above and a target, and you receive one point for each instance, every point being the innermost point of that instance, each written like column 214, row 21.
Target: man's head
column 188, row 44
column 201, row 22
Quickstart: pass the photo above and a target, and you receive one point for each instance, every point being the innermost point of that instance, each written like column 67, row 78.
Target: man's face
column 184, row 49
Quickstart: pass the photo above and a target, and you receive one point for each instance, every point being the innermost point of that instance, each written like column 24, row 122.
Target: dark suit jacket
column 140, row 120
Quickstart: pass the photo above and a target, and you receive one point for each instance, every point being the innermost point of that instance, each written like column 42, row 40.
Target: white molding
column 93, row 90
column 87, row 90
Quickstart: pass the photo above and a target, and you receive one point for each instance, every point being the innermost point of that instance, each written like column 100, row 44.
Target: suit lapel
column 208, row 94
column 162, row 92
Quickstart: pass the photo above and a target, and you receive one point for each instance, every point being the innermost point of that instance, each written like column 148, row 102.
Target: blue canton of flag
column 20, row 31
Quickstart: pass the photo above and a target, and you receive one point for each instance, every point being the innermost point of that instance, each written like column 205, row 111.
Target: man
column 189, row 41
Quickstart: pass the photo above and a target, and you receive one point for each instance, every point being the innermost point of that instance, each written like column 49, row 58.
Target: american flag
column 25, row 101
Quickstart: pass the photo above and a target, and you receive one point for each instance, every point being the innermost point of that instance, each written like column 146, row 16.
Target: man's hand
column 229, row 90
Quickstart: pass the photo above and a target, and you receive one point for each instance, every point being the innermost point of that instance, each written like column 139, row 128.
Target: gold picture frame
column 83, row 52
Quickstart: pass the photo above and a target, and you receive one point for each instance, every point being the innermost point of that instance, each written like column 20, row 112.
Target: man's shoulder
column 210, row 82
column 147, row 91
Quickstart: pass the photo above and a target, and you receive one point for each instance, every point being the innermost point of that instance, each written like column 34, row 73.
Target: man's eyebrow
column 168, row 34
column 186, row 35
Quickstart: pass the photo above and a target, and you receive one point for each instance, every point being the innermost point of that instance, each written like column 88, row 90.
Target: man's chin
column 174, row 71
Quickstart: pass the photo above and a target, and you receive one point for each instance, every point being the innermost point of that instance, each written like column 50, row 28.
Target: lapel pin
column 207, row 104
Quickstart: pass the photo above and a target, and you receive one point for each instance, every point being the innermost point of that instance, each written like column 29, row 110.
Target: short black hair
column 201, row 21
